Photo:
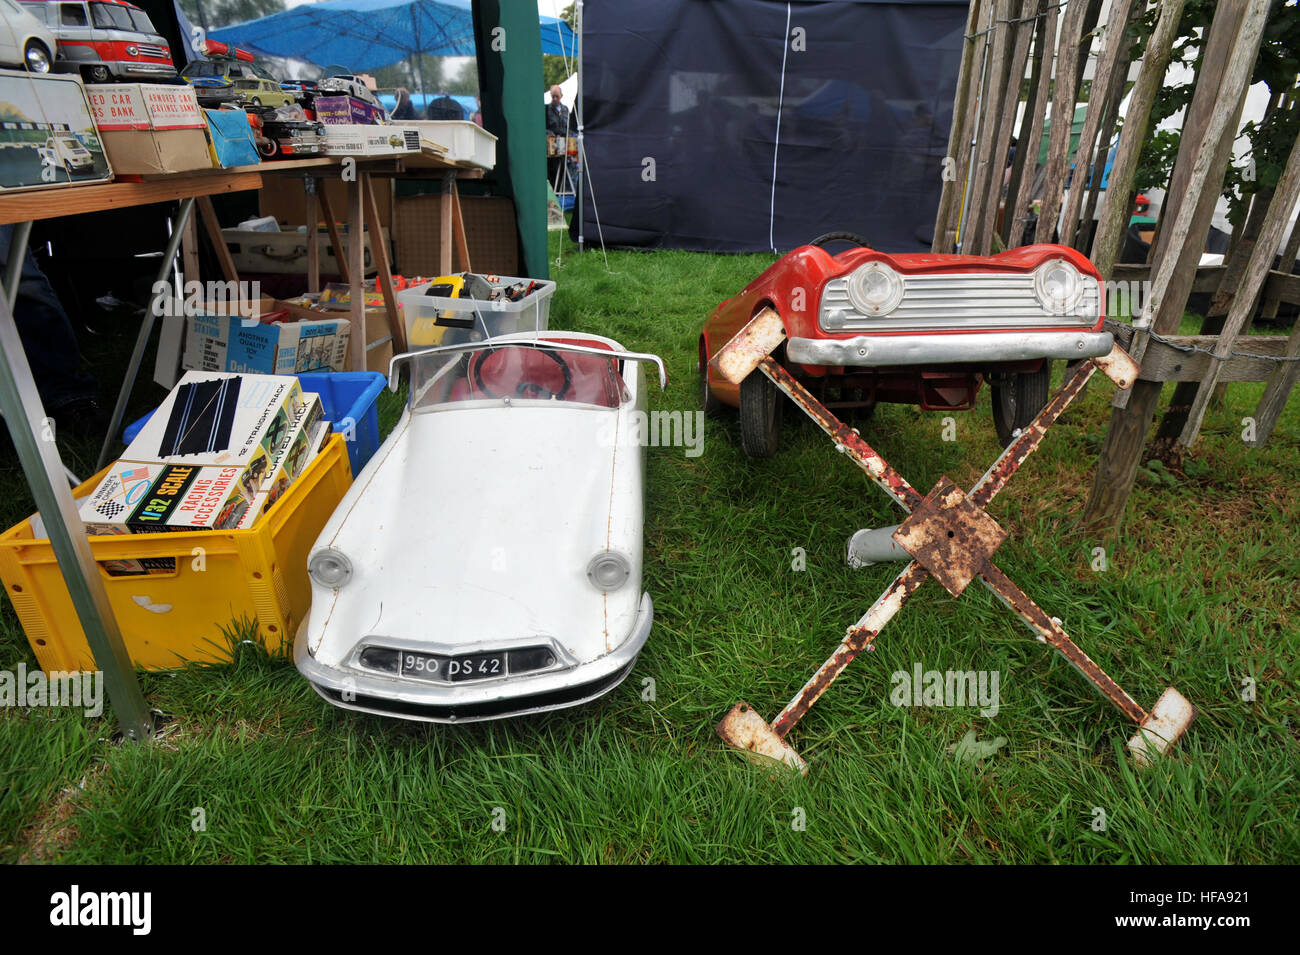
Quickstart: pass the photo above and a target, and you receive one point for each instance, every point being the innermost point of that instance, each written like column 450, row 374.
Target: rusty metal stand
column 950, row 537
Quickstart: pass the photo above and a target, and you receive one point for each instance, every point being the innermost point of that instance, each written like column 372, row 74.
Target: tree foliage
column 554, row 68
column 213, row 14
column 1270, row 139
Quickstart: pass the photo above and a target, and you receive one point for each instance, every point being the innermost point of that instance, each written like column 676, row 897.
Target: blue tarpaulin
column 369, row 34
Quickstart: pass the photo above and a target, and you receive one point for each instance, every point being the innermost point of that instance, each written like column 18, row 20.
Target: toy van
column 105, row 40
column 67, row 151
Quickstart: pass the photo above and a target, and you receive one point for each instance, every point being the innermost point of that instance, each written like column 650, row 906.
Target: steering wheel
column 525, row 388
column 829, row 237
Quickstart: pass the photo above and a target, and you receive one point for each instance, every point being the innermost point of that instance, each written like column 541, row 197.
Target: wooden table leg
column 458, row 229
column 383, row 269
column 445, row 214
column 213, row 226
column 312, row 186
column 357, row 271
column 331, row 224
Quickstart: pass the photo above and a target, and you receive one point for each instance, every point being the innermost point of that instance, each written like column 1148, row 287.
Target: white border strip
column 776, row 146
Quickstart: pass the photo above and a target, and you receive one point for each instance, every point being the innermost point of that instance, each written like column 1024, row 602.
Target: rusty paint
column 856, row 639
column 950, row 537
column 746, row 730
column 759, row 338
column 1050, row 632
column 1019, row 450
column 1164, row 727
column 848, row 441
column 1119, row 366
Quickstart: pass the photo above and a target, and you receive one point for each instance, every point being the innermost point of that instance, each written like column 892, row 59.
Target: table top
column 97, row 197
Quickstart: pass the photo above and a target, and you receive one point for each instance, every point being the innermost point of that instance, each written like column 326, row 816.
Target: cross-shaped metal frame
column 949, row 536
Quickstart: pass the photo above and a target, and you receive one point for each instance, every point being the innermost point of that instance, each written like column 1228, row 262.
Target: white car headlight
column 875, row 289
column 329, row 568
column 1058, row 286
column 608, row 571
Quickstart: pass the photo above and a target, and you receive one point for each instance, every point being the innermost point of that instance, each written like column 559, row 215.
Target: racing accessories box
column 201, row 459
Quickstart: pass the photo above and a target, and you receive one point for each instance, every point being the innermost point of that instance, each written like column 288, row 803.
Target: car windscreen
column 141, row 21
column 524, row 374
column 110, row 16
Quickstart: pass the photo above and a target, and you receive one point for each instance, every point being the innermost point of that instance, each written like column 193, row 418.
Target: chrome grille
column 956, row 302
column 151, row 49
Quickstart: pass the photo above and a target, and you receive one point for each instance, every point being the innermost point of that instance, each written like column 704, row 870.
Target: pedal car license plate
column 476, row 666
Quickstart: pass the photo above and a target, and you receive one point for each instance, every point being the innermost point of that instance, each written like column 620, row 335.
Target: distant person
column 404, row 109
column 557, row 124
column 477, row 118
column 445, row 108
column 557, row 114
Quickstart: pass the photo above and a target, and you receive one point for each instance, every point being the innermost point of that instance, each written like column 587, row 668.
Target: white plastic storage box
column 434, row 320
column 464, row 141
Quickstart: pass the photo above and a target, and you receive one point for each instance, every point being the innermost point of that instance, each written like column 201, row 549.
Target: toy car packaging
column 151, row 498
column 217, row 419
column 202, row 458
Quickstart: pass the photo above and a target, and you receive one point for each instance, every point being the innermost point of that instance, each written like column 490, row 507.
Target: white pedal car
column 487, row 561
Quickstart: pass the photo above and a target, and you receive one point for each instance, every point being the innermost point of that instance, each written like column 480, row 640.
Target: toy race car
column 487, row 561
column 865, row 327
column 228, row 75
column 286, row 132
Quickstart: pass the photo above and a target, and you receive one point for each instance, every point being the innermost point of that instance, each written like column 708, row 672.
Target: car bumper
column 130, row 69
column 964, row 349
column 474, row 702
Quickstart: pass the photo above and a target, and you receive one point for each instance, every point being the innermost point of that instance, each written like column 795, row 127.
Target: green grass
column 1199, row 592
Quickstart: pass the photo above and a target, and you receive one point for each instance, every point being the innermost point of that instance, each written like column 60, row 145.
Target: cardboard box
column 371, row 140
column 215, row 419
column 150, row 128
column 379, row 337
column 47, row 135
column 152, row 497
column 216, row 342
column 345, row 110
column 290, row 458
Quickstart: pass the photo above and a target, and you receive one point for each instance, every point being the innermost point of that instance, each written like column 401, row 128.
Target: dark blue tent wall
column 688, row 108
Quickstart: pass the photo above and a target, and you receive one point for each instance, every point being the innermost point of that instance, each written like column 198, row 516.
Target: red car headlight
column 1058, row 286
column 875, row 289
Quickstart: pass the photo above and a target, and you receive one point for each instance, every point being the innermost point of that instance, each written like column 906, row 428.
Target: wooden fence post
column 1113, row 224
column 1129, row 426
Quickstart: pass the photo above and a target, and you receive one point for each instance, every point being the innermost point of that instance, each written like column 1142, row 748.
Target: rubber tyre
column 1018, row 398
column 97, row 74
column 36, row 58
column 761, row 404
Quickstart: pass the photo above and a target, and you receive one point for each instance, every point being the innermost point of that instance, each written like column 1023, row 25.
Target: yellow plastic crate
column 166, row 619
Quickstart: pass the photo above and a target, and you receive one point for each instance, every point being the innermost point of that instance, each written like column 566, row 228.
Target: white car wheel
column 37, row 58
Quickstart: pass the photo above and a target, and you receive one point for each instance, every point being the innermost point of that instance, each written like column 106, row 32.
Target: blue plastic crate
column 350, row 399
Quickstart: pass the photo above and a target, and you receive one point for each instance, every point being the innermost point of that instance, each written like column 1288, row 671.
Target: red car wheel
column 760, row 416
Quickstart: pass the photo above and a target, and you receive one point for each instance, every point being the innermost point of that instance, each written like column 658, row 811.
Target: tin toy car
column 25, row 41
column 865, row 326
column 487, row 561
column 105, row 40
column 227, row 74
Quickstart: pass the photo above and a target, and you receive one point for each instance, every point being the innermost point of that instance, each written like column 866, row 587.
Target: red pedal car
column 864, row 327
